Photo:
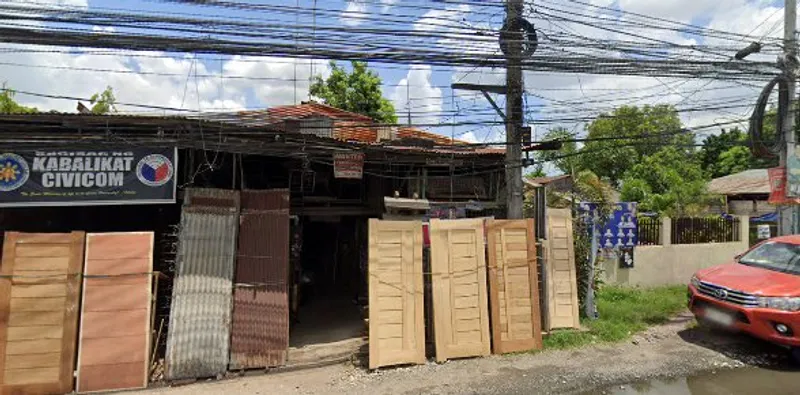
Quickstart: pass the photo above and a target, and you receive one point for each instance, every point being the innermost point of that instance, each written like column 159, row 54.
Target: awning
column 771, row 217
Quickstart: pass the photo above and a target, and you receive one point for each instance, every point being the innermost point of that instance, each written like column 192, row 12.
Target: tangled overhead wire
column 764, row 146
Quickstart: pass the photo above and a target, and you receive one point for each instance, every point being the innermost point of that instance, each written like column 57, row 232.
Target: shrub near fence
column 705, row 230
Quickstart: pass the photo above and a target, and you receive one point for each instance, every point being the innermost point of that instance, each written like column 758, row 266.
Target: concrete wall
column 670, row 264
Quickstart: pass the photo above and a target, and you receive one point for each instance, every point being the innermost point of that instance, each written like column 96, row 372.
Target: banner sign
column 778, row 187
column 621, row 228
column 348, row 165
column 87, row 177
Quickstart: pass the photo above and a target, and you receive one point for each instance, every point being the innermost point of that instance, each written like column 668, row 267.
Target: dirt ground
column 670, row 350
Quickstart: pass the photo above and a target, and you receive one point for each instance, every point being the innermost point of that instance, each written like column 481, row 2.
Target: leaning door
column 460, row 303
column 396, row 292
column 513, row 281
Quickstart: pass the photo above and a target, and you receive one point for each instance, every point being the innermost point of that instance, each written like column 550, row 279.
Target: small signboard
column 626, row 257
column 793, row 173
column 348, row 165
column 75, row 177
column 779, row 188
column 764, row 232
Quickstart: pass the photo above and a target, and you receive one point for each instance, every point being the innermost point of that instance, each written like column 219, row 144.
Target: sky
column 214, row 83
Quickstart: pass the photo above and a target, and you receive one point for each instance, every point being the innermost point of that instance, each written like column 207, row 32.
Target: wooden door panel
column 562, row 287
column 396, row 318
column 39, row 311
column 460, row 302
column 513, row 279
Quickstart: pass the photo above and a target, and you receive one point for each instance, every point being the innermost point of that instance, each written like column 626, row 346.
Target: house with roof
column 744, row 193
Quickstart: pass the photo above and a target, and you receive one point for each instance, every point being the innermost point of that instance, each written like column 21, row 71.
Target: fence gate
column 458, row 266
column 396, row 291
column 561, row 273
column 513, row 282
column 39, row 311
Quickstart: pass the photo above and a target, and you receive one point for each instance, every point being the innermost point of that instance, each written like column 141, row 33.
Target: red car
column 758, row 293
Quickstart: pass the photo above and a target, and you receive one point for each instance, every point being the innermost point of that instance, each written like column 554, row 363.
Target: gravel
column 665, row 351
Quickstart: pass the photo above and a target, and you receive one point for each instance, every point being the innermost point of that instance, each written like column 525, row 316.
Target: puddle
column 733, row 382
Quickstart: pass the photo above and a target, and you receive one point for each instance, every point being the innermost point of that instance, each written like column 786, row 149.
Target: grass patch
column 623, row 312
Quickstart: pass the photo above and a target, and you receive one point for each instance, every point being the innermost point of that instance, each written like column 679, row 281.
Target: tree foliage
column 620, row 140
column 729, row 153
column 9, row 106
column 358, row 91
column 564, row 159
column 104, row 102
column 668, row 182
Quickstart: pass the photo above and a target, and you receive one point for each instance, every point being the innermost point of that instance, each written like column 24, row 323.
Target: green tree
column 667, row 182
column 358, row 91
column 104, row 102
column 9, row 106
column 620, row 140
column 564, row 159
column 729, row 153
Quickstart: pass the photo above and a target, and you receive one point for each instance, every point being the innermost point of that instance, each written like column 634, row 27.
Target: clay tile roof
column 412, row 132
column 310, row 109
column 355, row 131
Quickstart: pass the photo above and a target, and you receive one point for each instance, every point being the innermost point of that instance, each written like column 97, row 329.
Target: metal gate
column 460, row 302
column 396, row 293
column 514, row 286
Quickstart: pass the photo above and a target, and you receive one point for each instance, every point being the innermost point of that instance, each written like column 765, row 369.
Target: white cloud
column 469, row 137
column 426, row 101
column 355, row 13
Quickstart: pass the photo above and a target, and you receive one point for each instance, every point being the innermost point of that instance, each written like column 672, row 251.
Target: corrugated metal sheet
column 115, row 329
column 198, row 342
column 210, row 197
column 271, row 199
column 260, row 333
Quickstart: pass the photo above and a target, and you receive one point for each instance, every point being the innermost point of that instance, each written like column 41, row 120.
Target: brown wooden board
column 39, row 294
column 460, row 301
column 115, row 339
column 514, row 286
column 562, row 286
column 396, row 294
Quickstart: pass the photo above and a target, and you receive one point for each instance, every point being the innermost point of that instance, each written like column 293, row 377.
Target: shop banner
column 87, row 177
column 348, row 165
column 778, row 187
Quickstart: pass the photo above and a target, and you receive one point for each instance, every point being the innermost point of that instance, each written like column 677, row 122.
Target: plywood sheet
column 396, row 294
column 562, row 286
column 115, row 312
column 39, row 311
column 460, row 301
column 514, row 287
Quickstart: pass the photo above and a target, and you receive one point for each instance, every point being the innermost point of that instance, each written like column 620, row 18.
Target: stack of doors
column 461, row 299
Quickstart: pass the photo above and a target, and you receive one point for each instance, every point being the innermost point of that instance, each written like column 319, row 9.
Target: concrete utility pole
column 787, row 218
column 514, row 117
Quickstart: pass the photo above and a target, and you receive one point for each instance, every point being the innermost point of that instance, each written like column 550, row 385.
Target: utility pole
column 787, row 218
column 514, row 117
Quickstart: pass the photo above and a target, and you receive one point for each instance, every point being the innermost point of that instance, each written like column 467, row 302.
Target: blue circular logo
column 154, row 170
column 14, row 172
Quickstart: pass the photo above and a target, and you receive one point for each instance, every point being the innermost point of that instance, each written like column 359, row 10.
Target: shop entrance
column 329, row 284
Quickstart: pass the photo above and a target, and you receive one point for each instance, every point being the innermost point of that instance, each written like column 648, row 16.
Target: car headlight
column 783, row 304
column 695, row 282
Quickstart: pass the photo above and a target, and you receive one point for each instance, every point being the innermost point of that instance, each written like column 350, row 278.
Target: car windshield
column 781, row 257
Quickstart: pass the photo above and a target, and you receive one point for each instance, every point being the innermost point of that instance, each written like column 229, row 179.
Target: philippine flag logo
column 154, row 170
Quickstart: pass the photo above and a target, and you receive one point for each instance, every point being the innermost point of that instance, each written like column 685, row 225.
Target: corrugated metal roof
column 749, row 182
column 198, row 342
column 211, row 197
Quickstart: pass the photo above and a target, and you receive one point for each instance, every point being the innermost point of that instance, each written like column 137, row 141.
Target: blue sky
column 200, row 83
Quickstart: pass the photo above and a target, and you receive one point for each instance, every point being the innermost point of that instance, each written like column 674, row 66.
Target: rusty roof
column 749, row 182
